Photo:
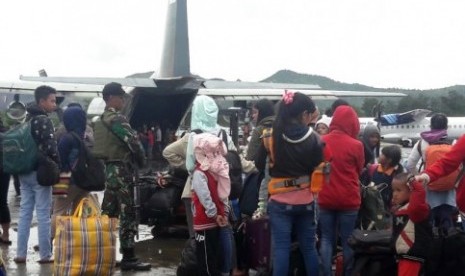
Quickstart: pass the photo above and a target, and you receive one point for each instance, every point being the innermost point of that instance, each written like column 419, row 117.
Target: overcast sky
column 392, row 43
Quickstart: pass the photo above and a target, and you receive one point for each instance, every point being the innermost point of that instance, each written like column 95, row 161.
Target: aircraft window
column 455, row 126
column 401, row 126
column 418, row 126
column 407, row 126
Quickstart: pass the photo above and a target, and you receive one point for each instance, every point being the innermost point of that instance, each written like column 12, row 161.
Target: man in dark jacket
column 34, row 195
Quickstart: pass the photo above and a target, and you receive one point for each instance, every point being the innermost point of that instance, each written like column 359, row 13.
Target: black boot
column 130, row 262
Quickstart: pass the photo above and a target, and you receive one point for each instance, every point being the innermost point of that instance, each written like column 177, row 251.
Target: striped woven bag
column 85, row 243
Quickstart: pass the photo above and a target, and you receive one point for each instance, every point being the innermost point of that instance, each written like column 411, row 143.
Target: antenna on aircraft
column 43, row 73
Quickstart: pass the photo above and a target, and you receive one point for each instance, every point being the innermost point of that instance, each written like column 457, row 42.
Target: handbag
column 48, row 172
column 371, row 241
column 85, row 242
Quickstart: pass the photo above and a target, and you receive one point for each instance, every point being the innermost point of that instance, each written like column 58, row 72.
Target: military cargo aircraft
column 168, row 93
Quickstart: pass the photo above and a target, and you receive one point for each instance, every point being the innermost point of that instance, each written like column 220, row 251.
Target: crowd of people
column 289, row 143
column 111, row 139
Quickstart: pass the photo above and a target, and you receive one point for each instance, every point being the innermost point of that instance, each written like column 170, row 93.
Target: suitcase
column 258, row 244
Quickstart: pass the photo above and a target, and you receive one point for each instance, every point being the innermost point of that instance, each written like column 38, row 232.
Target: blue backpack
column 19, row 150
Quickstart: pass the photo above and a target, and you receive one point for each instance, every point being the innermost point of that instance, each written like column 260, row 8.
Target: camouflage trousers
column 118, row 201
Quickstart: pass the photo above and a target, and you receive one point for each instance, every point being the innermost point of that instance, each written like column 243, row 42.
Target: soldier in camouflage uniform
column 118, row 145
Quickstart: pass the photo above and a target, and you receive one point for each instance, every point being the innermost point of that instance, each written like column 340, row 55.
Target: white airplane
column 405, row 128
column 168, row 93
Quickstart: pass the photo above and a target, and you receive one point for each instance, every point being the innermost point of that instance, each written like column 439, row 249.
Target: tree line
column 451, row 104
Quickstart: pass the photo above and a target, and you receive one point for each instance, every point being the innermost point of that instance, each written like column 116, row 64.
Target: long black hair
column 287, row 114
column 394, row 153
column 265, row 109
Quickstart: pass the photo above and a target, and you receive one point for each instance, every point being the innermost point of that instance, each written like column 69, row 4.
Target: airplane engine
column 16, row 110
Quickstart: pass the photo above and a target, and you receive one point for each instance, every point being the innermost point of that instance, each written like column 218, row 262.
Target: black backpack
column 248, row 201
column 447, row 255
column 89, row 172
column 235, row 168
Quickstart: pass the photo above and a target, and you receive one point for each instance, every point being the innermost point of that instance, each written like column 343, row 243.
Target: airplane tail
column 175, row 60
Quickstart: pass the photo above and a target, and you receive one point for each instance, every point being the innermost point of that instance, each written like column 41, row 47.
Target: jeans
column 226, row 246
column 39, row 197
column 344, row 223
column 283, row 218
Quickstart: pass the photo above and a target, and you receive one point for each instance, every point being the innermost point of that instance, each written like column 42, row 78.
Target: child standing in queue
column 412, row 234
column 210, row 185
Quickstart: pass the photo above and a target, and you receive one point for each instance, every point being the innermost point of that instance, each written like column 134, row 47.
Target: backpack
column 19, row 150
column 88, row 173
column 235, row 168
column 248, row 201
column 433, row 153
column 372, row 213
column 447, row 255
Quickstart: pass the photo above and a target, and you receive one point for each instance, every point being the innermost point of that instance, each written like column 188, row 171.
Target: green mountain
column 288, row 76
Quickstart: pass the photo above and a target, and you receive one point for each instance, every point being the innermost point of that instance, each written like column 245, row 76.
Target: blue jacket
column 74, row 119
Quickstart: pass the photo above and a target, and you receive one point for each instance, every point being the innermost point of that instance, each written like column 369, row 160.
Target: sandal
column 19, row 260
column 5, row 242
column 48, row 261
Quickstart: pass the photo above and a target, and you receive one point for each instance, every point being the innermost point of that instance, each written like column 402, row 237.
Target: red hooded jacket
column 343, row 190
column 447, row 164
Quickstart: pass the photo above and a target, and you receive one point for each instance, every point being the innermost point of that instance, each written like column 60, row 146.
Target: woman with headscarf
column 263, row 117
column 75, row 121
column 371, row 143
column 204, row 116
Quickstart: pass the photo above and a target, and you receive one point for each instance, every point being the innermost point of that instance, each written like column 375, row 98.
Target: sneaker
column 134, row 264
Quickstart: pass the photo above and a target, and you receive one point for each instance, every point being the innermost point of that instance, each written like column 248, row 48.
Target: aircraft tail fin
column 175, row 60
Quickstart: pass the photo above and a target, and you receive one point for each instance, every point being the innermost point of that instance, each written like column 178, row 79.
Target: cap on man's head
column 112, row 89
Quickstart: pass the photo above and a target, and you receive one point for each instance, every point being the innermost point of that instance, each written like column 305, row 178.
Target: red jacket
column 446, row 165
column 206, row 191
column 343, row 190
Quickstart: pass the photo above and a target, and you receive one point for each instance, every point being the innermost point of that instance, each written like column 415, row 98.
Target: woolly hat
column 324, row 120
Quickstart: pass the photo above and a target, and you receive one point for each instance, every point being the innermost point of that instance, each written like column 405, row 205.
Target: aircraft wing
column 133, row 82
column 276, row 94
column 218, row 89
column 238, row 90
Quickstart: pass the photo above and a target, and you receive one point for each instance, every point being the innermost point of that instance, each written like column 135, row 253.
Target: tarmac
column 163, row 253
